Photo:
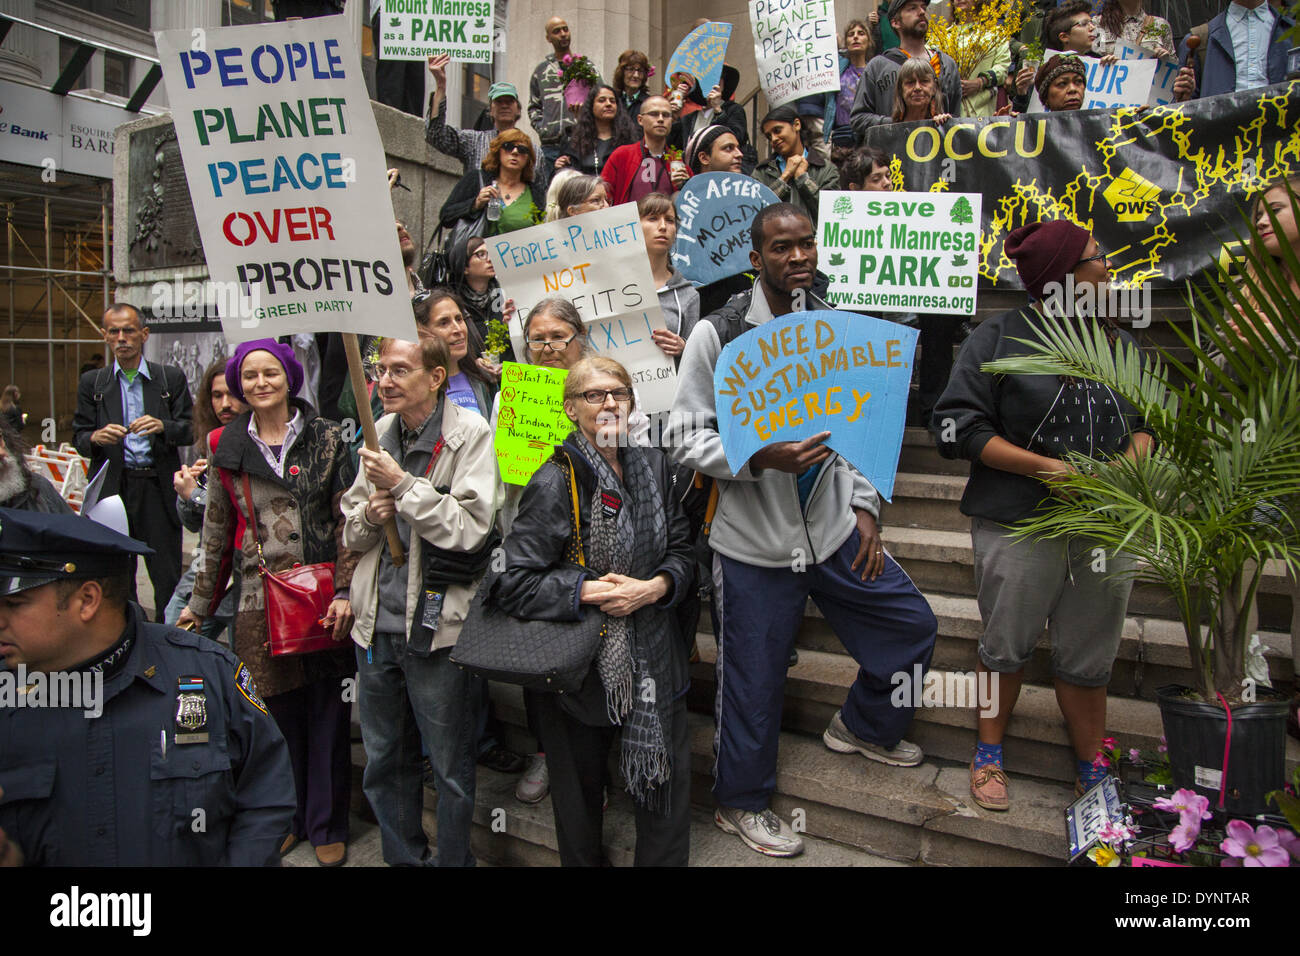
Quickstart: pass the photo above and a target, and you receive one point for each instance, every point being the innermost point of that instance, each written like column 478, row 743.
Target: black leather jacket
column 539, row 583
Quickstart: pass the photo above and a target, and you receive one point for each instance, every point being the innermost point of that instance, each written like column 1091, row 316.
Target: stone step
column 909, row 814
column 1152, row 652
column 926, row 501
column 919, row 456
column 943, row 562
column 1037, row 744
column 510, row 833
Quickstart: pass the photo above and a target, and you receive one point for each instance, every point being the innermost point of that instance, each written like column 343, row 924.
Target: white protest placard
column 795, row 48
column 1162, row 86
column 1127, row 83
column 900, row 252
column 598, row 262
column 288, row 179
column 418, row 29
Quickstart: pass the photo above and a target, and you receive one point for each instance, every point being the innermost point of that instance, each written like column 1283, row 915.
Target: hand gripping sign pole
column 362, row 398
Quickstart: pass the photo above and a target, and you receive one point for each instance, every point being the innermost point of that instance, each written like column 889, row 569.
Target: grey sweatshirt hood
column 759, row 518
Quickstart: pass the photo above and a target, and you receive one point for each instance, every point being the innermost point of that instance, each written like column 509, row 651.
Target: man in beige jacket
column 435, row 473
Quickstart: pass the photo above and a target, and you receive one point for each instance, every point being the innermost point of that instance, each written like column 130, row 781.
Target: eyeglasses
column 481, row 254
column 633, row 69
column 555, row 345
column 397, row 372
column 656, row 114
column 1099, row 257
column 516, row 148
column 597, row 396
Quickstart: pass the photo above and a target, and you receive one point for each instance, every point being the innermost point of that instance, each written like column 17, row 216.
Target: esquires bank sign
column 57, row 133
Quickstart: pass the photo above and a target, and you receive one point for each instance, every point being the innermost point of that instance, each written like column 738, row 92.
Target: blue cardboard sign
column 700, row 54
column 714, row 213
column 811, row 372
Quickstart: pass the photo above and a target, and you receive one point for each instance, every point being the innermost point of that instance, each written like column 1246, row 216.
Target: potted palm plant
column 1214, row 502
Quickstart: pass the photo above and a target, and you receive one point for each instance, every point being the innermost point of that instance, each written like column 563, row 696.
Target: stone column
column 20, row 53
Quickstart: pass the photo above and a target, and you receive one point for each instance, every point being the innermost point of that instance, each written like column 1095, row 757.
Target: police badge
column 191, row 711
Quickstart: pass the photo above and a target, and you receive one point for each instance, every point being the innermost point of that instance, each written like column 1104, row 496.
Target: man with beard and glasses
column 873, row 104
column 19, row 488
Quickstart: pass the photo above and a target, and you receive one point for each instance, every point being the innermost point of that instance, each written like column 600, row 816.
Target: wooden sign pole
column 367, row 420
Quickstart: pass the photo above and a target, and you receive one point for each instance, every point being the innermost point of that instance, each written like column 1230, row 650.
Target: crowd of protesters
column 277, row 483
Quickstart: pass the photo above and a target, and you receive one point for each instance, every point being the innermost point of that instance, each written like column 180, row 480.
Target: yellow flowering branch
column 975, row 33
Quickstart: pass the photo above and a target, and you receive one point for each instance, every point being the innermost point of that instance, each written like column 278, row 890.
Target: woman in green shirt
column 504, row 192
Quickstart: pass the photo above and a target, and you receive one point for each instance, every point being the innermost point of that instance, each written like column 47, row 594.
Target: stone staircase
column 857, row 812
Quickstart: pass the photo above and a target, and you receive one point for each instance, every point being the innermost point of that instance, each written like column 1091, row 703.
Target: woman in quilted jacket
column 282, row 463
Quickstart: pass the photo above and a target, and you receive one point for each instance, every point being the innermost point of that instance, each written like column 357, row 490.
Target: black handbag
column 539, row 655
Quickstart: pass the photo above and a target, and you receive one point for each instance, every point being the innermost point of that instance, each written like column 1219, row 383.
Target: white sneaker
column 535, row 784
column 763, row 831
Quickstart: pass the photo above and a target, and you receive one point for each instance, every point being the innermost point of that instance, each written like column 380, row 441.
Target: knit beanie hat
column 1058, row 65
column 1046, row 252
column 702, row 141
column 283, row 353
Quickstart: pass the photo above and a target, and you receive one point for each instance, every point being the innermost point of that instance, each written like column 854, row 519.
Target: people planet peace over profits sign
column 811, row 372
column 288, row 178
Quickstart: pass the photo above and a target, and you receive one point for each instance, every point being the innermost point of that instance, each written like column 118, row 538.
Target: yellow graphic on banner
column 1132, row 197
column 1240, row 168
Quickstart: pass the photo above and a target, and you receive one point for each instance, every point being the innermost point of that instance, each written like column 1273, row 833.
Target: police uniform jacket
column 104, row 791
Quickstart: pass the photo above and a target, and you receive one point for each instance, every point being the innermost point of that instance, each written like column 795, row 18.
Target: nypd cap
column 37, row 549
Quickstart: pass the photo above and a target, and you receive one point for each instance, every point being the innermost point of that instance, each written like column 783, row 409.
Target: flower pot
column 1195, row 731
column 575, row 93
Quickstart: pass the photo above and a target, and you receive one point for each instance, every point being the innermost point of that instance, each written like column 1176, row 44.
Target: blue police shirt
column 107, row 790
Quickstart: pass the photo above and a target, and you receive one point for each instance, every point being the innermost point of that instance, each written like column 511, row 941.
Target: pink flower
column 1188, row 804
column 1255, row 846
column 1108, row 743
column 650, row 73
column 1289, row 842
column 566, row 59
column 1183, row 837
column 1135, row 755
column 1163, row 746
column 1101, row 760
column 1115, row 833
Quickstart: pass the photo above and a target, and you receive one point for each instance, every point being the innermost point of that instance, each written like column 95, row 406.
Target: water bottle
column 493, row 209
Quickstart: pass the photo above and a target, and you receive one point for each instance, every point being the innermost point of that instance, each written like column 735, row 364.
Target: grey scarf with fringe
column 629, row 535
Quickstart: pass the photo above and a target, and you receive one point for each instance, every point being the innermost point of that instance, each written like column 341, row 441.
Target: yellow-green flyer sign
column 531, row 419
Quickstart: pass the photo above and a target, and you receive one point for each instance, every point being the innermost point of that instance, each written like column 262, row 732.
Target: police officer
column 122, row 743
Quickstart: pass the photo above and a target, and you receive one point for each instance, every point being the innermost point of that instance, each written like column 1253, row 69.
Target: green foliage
column 1217, row 497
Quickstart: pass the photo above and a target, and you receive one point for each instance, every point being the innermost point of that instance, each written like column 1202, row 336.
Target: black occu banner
column 1162, row 190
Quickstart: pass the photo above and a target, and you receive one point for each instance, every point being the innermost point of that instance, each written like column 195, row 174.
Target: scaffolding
column 57, row 271
column 57, row 283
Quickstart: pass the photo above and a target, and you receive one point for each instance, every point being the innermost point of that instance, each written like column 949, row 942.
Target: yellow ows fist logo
column 1132, row 197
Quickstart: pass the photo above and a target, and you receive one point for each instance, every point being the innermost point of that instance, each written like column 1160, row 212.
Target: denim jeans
column 211, row 627
column 405, row 699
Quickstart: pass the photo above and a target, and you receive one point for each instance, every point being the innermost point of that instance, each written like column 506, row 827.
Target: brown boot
column 289, row 843
column 988, row 787
column 332, row 854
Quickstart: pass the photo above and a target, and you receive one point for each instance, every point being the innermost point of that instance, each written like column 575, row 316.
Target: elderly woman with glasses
column 638, row 566
column 504, row 192
column 1017, row 430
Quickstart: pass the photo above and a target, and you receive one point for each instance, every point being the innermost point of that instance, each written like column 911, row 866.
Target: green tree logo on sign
column 961, row 212
column 843, row 206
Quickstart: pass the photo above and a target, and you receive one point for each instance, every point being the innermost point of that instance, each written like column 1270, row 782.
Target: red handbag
column 297, row 600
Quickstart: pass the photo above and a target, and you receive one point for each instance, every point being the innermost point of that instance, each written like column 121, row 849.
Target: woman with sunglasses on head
column 1016, row 430
column 601, row 128
column 505, row 191
column 577, row 193
column 637, row 566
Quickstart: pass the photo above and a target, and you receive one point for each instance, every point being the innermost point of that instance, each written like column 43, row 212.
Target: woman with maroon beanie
column 1015, row 430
